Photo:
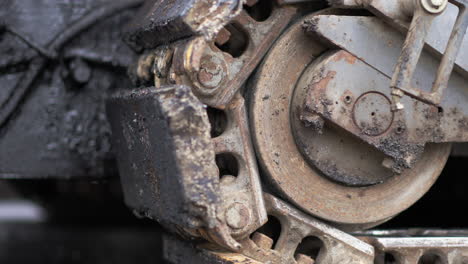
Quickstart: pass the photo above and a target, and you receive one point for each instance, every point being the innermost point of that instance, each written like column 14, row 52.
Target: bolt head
column 437, row 3
column 434, row 6
column 237, row 216
column 211, row 74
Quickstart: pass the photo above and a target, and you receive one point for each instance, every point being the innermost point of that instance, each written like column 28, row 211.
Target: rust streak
column 348, row 57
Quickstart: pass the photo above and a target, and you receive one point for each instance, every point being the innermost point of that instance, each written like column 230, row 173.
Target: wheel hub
column 338, row 155
column 320, row 167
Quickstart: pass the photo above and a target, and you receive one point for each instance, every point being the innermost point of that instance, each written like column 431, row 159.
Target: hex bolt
column 262, row 240
column 211, row 73
column 237, row 216
column 304, row 259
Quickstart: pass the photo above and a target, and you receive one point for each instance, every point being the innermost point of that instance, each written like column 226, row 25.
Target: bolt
column 237, row 216
column 211, row 73
column 437, row 3
column 434, row 6
column 304, row 259
column 262, row 240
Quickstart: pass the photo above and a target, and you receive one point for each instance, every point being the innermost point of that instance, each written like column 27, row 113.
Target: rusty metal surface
column 284, row 164
column 404, row 246
column 338, row 247
column 166, row 158
column 301, row 115
column 445, row 124
column 399, row 14
column 161, row 22
column 163, row 132
column 177, row 251
column 261, row 36
column 242, row 193
column 411, row 52
column 382, row 39
column 321, row 122
column 217, row 75
column 373, row 122
column 450, row 250
column 334, row 151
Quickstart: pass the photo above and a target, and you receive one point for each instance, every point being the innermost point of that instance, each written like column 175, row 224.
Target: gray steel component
column 167, row 164
column 338, row 247
column 399, row 13
column 177, row 251
column 358, row 106
column 410, row 250
column 411, row 53
column 372, row 113
column 164, row 21
column 412, row 232
column 165, row 156
column 443, row 125
column 434, row 6
column 406, row 246
column 241, row 194
column 373, row 121
column 380, row 39
column 215, row 75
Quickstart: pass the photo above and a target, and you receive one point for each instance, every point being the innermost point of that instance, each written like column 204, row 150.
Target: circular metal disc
column 372, row 113
column 289, row 172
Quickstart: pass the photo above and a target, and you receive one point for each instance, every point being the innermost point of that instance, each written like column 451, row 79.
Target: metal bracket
column 412, row 49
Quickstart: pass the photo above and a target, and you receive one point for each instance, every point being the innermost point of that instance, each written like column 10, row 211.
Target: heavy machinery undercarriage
column 330, row 117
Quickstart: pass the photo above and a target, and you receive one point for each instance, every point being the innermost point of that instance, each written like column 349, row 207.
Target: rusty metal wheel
column 325, row 171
